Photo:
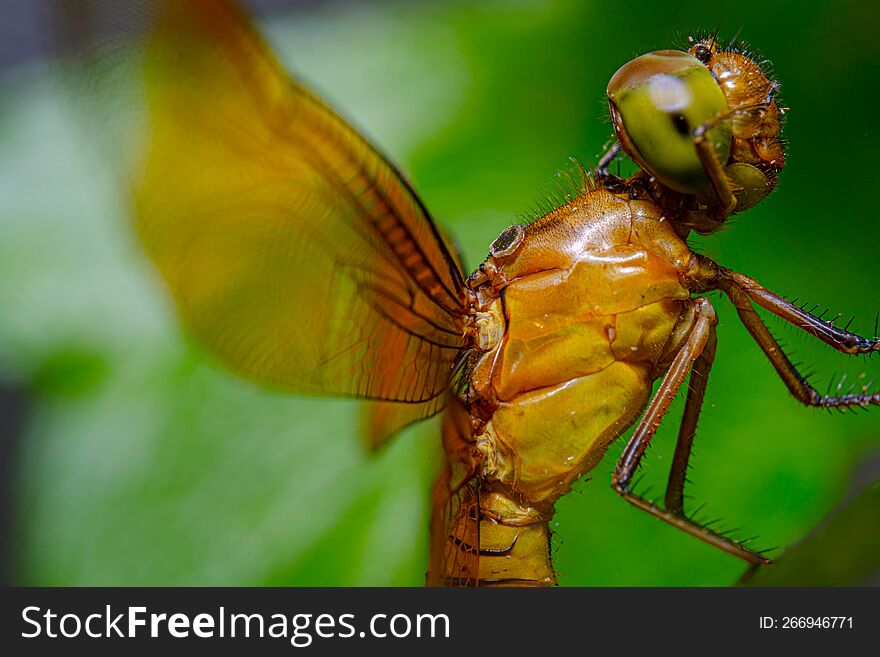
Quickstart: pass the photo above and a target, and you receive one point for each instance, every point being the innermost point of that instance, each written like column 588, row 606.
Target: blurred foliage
column 844, row 550
column 142, row 464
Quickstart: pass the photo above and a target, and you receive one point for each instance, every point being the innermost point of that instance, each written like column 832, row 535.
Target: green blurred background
column 128, row 460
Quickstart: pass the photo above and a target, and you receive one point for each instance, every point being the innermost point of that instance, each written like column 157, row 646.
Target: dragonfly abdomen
column 512, row 546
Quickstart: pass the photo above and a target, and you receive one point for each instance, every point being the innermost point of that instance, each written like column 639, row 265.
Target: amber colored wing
column 455, row 533
column 458, row 513
column 455, row 507
column 293, row 249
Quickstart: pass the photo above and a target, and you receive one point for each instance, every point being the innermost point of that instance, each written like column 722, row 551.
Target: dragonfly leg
column 700, row 341
column 699, row 378
column 713, row 167
column 797, row 384
column 744, row 292
column 606, row 160
column 839, row 338
column 609, row 180
column 715, row 170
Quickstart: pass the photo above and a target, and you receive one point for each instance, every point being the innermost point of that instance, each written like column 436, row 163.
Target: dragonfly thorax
column 576, row 324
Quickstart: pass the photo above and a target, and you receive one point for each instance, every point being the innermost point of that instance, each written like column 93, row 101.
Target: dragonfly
column 301, row 257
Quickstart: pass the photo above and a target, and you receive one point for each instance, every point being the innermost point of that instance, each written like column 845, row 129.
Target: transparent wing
column 293, row 249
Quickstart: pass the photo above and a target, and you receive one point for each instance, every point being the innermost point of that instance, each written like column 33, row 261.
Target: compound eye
column 657, row 101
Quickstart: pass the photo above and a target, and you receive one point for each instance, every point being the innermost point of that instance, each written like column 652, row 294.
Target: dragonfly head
column 663, row 101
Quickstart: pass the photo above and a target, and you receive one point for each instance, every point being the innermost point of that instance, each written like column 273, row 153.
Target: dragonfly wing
column 293, row 249
column 382, row 420
column 455, row 516
column 455, row 535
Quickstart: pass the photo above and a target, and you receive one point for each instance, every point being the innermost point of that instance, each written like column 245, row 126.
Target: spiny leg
column 674, row 499
column 839, row 338
column 796, row 383
column 744, row 291
column 635, row 449
column 687, row 429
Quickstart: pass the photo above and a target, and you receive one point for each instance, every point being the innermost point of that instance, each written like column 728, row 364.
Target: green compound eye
column 657, row 101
